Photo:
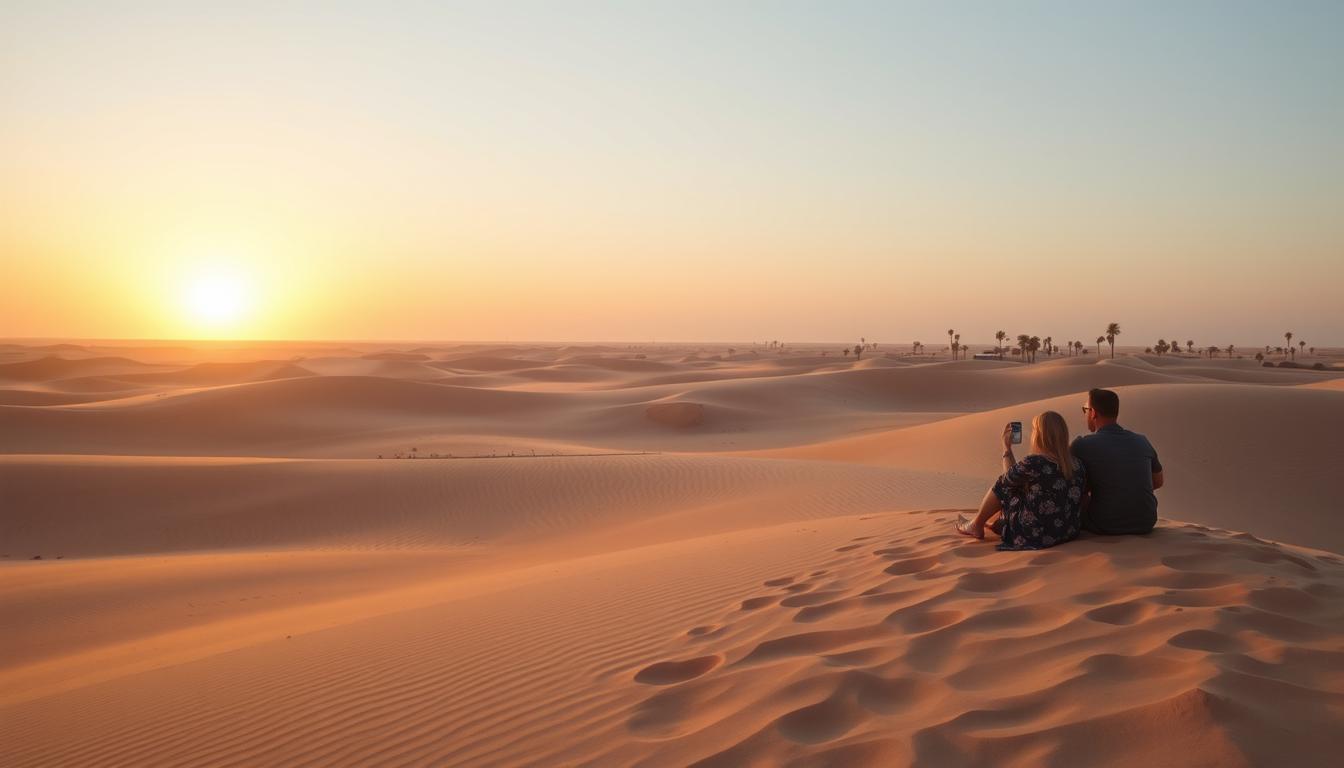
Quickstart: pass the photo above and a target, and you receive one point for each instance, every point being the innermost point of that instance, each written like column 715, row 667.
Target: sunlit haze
column 671, row 171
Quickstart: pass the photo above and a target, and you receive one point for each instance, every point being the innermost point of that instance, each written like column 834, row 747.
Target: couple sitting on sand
column 1103, row 483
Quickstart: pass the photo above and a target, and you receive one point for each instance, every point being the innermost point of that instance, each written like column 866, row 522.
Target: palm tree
column 1078, row 346
column 1035, row 345
column 1259, row 357
column 858, row 352
column 1230, row 347
column 846, row 351
column 1213, row 352
column 999, row 337
column 1099, row 340
column 949, row 336
column 955, row 346
column 1161, row 346
column 1112, row 330
column 915, row 349
column 1049, row 345
column 1313, row 350
column 1024, row 344
column 1190, row 345
column 1289, row 336
column 1302, row 345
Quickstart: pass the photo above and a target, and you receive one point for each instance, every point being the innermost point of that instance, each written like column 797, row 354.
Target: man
column 1122, row 470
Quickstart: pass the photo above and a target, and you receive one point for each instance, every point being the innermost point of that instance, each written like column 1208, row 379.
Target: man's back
column 1120, row 467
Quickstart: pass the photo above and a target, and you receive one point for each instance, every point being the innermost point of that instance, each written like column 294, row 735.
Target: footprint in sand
column 826, row 720
column 999, row 582
column 704, row 630
column 912, row 565
column 892, row 553
column 673, row 672
column 752, row 603
column 1207, row 640
column 779, row 582
column 809, row 599
column 811, row 643
column 1122, row 614
column 915, row 622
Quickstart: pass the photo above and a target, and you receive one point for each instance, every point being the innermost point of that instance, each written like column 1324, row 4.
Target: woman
column 1040, row 496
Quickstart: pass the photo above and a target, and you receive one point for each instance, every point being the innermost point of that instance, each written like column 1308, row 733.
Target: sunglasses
column 1086, row 408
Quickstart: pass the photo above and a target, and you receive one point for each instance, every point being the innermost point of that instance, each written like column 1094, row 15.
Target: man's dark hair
column 1105, row 403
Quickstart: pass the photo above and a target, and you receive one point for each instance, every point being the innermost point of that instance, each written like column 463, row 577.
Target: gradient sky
column 674, row 171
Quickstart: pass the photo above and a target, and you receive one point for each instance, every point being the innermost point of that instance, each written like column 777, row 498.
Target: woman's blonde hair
column 1050, row 436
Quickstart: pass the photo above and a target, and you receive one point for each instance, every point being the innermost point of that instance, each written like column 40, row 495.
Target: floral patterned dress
column 1041, row 508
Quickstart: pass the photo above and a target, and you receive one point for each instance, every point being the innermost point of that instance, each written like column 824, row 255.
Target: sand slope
column 739, row 559
column 888, row 639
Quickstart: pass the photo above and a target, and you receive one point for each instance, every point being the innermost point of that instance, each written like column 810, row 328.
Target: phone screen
column 1017, row 433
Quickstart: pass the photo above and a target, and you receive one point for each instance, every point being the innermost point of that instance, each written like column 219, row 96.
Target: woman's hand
column 1008, row 437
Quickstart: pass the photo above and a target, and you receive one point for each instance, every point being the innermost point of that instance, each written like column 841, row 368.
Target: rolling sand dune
column 484, row 363
column 48, row 397
column 213, row 374
column 746, row 560
column 1259, row 470
column 151, row 505
column 56, row 367
column 394, row 369
column 405, row 357
column 617, row 363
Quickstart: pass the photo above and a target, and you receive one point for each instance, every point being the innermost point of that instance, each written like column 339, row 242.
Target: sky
column 711, row 171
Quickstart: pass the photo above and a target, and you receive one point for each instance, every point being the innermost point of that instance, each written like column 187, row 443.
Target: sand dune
column 405, row 357
column 888, row 639
column 56, row 367
column 250, row 417
column 1247, row 457
column 484, row 363
column 49, row 397
column 362, row 366
column 213, row 374
column 617, row 363
column 98, row 506
column 745, row 560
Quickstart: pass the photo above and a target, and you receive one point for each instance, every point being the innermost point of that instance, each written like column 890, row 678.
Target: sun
column 217, row 296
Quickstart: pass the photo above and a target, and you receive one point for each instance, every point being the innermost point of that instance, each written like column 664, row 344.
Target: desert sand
column 291, row 554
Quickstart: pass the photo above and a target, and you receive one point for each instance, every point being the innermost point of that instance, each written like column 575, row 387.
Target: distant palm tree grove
column 1028, row 345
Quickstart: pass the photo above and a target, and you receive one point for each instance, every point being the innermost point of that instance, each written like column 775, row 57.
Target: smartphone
column 1017, row 433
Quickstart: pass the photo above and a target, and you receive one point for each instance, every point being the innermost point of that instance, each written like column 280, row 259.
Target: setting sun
column 217, row 297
